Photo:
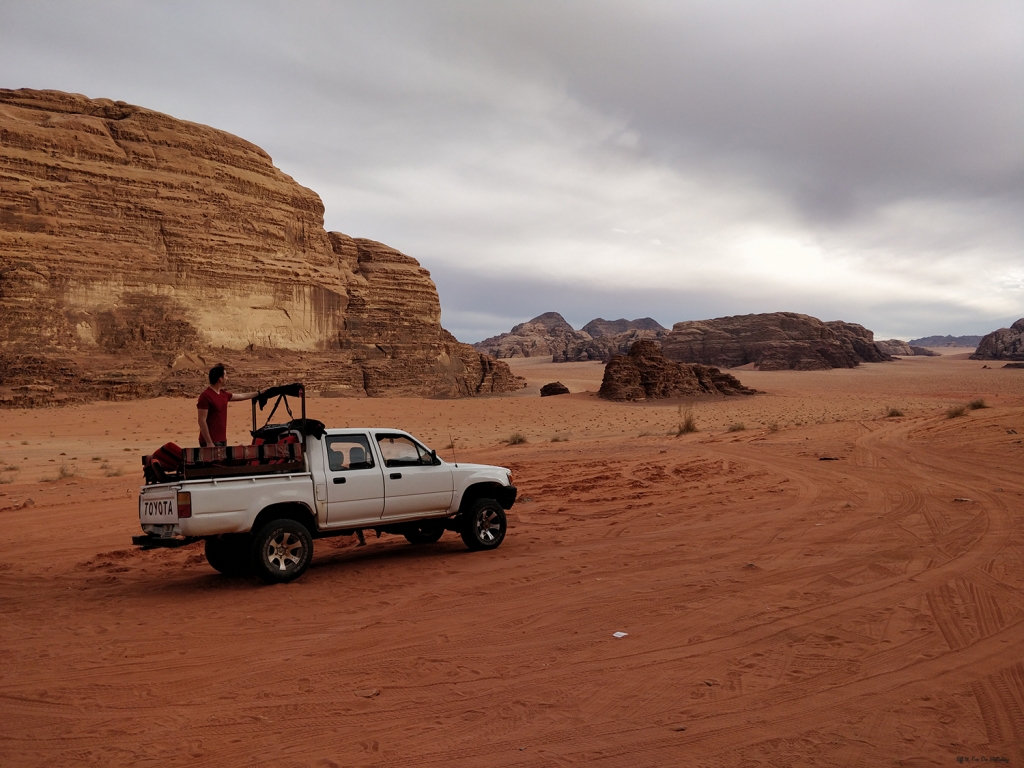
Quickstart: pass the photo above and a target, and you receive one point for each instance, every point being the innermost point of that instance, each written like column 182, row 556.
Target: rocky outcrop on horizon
column 1004, row 344
column 136, row 249
column 901, row 348
column 554, row 388
column 550, row 335
column 946, row 341
column 772, row 342
column 599, row 327
column 645, row 373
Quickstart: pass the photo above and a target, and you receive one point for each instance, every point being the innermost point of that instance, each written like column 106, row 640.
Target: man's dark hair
column 216, row 373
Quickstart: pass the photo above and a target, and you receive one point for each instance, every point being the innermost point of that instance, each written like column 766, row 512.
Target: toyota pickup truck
column 258, row 508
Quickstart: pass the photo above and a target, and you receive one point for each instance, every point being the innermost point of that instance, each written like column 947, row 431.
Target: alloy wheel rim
column 284, row 551
column 488, row 526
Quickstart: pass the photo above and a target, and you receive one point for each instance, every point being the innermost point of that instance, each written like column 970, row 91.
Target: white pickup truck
column 259, row 510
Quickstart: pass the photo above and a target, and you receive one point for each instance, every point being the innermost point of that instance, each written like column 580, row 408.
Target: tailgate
column 158, row 506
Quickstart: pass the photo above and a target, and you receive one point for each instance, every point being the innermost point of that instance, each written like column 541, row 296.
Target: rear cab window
column 349, row 452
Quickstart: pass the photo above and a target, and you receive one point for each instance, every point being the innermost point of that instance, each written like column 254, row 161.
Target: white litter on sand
column 619, row 634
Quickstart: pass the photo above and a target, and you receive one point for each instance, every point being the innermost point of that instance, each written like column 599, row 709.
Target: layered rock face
column 647, row 374
column 1004, row 344
column 772, row 342
column 135, row 248
column 903, row 349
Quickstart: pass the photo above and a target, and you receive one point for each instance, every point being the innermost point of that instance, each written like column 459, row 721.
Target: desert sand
column 779, row 609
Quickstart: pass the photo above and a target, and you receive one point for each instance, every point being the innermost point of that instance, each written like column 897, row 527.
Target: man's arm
column 204, row 428
column 244, row 396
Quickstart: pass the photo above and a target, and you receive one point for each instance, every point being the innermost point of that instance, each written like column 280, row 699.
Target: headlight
column 510, row 479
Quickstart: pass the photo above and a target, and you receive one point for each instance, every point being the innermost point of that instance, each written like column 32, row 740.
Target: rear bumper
column 162, row 542
column 507, row 496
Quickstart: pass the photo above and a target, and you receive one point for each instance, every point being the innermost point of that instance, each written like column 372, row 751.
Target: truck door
column 355, row 484
column 413, row 483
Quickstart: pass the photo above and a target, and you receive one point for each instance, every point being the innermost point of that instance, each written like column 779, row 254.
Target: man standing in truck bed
column 213, row 408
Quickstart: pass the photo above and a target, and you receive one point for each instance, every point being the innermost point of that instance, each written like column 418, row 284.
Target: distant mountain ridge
column 946, row 341
column 550, row 334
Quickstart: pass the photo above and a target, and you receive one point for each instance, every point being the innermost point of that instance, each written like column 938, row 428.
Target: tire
column 425, row 532
column 282, row 551
column 230, row 555
column 483, row 526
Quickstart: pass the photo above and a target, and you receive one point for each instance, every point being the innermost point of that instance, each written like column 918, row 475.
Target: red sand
column 780, row 610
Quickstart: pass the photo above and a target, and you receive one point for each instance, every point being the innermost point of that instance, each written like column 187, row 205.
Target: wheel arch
column 289, row 510
column 503, row 494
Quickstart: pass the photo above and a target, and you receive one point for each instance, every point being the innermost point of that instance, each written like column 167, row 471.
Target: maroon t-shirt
column 216, row 406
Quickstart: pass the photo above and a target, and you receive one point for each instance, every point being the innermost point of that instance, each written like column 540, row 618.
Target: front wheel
column 483, row 526
column 282, row 551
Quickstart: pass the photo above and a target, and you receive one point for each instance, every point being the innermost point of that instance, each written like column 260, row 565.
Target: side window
column 345, row 452
column 402, row 451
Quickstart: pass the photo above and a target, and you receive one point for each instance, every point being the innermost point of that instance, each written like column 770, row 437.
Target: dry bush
column 893, row 412
column 773, row 426
column 114, row 471
column 65, row 472
column 516, row 438
column 974, row 405
column 559, row 439
column 956, row 410
column 687, row 422
column 739, row 426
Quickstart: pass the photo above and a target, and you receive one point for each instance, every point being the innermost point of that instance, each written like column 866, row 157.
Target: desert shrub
column 974, row 405
column 97, row 458
column 516, row 438
column 11, row 468
column 739, row 426
column 559, row 439
column 773, row 426
column 956, row 410
column 114, row 471
column 893, row 412
column 65, row 472
column 687, row 422
column 24, row 442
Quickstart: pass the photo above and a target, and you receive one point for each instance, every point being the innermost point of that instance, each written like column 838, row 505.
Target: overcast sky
column 857, row 160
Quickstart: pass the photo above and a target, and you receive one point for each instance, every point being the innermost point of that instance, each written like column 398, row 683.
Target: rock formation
column 600, row 327
column 772, row 342
column 946, row 341
column 545, row 335
column 136, row 248
column 554, row 388
column 647, row 374
column 550, row 334
column 903, row 349
column 1004, row 344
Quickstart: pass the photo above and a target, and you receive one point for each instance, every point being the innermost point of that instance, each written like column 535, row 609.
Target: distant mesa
column 550, row 335
column 901, row 348
column 554, row 388
column 1004, row 344
column 773, row 342
column 135, row 248
column 645, row 373
column 946, row 341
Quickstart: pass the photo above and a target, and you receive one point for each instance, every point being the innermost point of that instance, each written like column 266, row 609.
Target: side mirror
column 433, row 458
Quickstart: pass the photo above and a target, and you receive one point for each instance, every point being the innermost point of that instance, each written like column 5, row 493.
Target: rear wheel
column 282, row 551
column 425, row 531
column 483, row 526
column 230, row 554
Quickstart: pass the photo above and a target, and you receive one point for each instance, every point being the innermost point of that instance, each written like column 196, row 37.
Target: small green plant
column 687, row 422
column 956, row 410
column 892, row 413
column 739, row 426
column 516, row 438
column 977, row 404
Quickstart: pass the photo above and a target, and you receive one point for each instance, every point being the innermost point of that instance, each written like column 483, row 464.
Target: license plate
column 158, row 511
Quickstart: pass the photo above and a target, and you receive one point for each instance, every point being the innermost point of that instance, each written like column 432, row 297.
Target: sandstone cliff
column 600, row 327
column 646, row 374
column 774, row 341
column 550, row 334
column 136, row 248
column 1004, row 344
column 903, row 349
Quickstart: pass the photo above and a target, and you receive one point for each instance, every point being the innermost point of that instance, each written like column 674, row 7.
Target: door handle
column 396, row 475
column 339, row 481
